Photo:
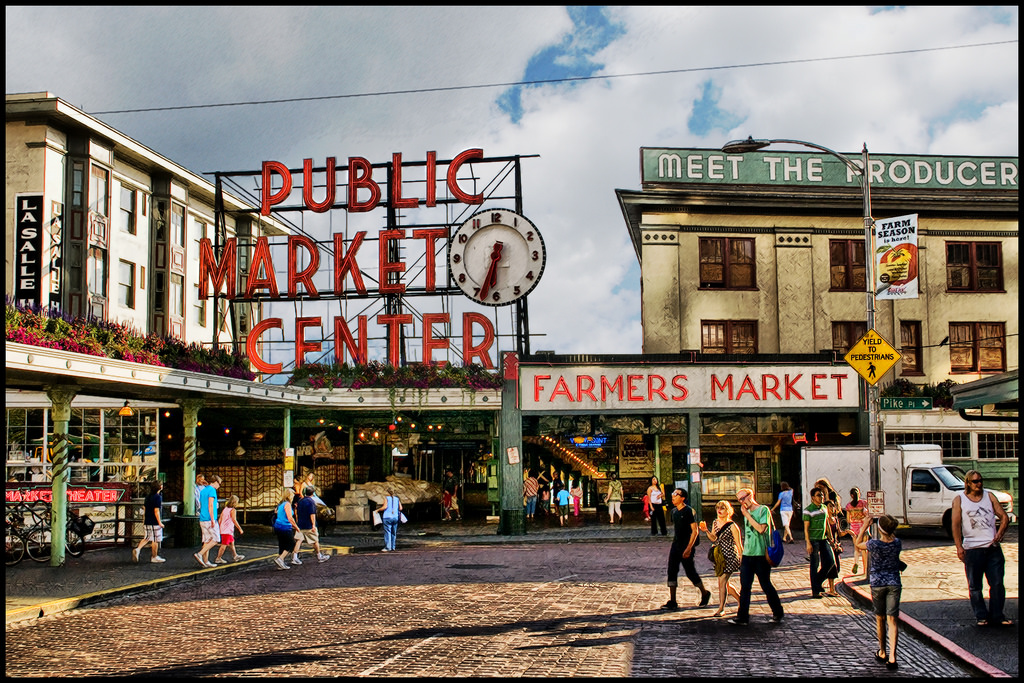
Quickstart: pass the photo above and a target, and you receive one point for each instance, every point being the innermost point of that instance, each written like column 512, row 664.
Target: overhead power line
column 548, row 81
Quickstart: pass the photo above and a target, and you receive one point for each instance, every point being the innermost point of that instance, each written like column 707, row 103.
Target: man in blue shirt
column 306, row 518
column 208, row 521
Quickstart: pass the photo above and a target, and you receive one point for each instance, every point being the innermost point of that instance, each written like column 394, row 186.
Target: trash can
column 187, row 533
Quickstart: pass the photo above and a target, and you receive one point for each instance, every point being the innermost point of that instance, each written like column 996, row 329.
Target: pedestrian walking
column 684, row 541
column 306, row 519
column 450, row 496
column 198, row 490
column 819, row 549
column 656, row 494
column 289, row 539
column 530, row 489
column 208, row 520
column 556, row 488
column 856, row 510
column 725, row 536
column 154, row 526
column 886, row 587
column 614, row 499
column 543, row 503
column 391, row 510
column 754, row 563
column 228, row 525
column 979, row 523
column 563, row 506
column 785, row 506
column 576, row 491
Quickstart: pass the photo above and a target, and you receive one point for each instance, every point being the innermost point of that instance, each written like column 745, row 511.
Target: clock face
column 496, row 257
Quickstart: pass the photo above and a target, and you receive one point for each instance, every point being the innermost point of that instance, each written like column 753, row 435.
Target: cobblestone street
column 510, row 611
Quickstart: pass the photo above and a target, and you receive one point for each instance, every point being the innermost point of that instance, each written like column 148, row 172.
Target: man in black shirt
column 683, row 544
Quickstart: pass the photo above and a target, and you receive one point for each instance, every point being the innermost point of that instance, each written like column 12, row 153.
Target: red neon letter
column 261, row 259
column 815, row 387
column 716, row 385
column 307, row 186
column 483, row 349
column 387, row 266
column 226, row 270
column 394, row 322
column 269, row 199
column 773, row 389
column 343, row 340
column 429, row 343
column 537, row 388
column 676, row 384
column 347, row 263
column 747, row 388
column 360, row 174
column 790, row 389
column 306, row 276
column 396, row 185
column 252, row 348
column 453, row 181
column 588, row 390
column 301, row 345
column 839, row 385
column 659, row 390
column 430, row 236
column 431, row 178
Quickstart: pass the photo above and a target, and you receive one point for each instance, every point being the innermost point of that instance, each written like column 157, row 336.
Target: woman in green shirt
column 754, row 562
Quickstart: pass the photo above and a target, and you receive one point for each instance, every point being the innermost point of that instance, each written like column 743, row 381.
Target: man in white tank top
column 976, row 514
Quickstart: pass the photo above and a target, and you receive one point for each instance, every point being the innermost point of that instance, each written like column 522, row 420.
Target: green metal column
column 190, row 420
column 512, row 520
column 60, row 399
column 693, row 442
column 286, row 430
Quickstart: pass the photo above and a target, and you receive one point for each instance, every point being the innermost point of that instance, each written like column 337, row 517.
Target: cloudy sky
column 917, row 80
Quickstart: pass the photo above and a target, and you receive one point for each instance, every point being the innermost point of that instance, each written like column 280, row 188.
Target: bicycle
column 38, row 540
column 15, row 539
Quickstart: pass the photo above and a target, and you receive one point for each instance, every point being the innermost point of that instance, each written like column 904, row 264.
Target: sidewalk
column 934, row 606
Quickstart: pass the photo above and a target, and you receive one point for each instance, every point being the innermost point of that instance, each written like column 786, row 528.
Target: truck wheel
column 947, row 523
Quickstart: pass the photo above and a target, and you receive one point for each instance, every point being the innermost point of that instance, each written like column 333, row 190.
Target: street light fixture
column 862, row 170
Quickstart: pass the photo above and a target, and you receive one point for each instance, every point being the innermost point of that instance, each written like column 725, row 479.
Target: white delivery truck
column 919, row 489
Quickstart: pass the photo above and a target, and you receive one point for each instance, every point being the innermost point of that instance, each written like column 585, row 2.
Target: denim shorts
column 886, row 600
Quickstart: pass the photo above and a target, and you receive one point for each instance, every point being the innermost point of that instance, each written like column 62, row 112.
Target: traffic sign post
column 872, row 357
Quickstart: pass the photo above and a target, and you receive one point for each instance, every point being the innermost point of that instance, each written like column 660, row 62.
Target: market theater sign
column 682, row 387
column 218, row 271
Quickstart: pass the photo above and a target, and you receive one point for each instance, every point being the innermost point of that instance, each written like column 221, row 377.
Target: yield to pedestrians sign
column 872, row 357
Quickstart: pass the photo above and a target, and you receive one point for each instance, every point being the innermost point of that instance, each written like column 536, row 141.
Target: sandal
column 1002, row 622
column 891, row 666
column 880, row 655
column 982, row 622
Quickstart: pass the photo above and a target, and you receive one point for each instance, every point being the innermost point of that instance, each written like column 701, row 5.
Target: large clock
column 496, row 257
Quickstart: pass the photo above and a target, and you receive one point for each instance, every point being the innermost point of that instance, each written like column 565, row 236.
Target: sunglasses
column 976, row 481
column 742, row 499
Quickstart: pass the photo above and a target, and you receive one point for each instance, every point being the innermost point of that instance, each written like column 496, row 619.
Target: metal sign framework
column 498, row 180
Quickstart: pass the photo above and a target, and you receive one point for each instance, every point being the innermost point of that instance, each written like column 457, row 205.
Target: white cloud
column 946, row 102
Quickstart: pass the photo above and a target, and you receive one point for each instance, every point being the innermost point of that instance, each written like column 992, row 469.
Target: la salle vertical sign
column 28, row 248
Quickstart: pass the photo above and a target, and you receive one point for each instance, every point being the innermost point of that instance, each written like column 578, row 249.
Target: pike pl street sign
column 872, row 357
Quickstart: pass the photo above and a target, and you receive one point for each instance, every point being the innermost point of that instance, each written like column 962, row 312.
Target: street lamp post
column 864, row 171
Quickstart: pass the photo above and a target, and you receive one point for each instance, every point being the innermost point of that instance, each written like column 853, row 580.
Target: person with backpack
column 754, row 563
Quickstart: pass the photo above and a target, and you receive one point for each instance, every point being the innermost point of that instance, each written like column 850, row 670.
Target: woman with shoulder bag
column 727, row 544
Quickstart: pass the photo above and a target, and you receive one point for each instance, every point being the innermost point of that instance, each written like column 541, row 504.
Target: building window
column 999, row 446
column 200, row 307
column 846, row 334
column 910, row 343
column 77, row 183
column 99, row 202
column 974, row 267
column 97, row 272
column 977, row 347
column 126, row 284
column 728, row 336
column 727, row 263
column 954, row 444
column 178, row 225
column 177, row 296
column 846, row 266
column 128, row 210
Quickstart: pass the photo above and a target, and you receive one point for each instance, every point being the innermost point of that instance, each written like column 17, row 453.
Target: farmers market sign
column 704, row 166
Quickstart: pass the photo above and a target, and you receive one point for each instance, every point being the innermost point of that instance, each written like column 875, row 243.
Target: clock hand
column 491, row 279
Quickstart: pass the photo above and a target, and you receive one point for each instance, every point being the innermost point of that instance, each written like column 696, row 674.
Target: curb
column 913, row 625
column 30, row 613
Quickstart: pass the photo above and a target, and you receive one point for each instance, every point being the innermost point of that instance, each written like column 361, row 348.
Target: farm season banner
column 896, row 258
